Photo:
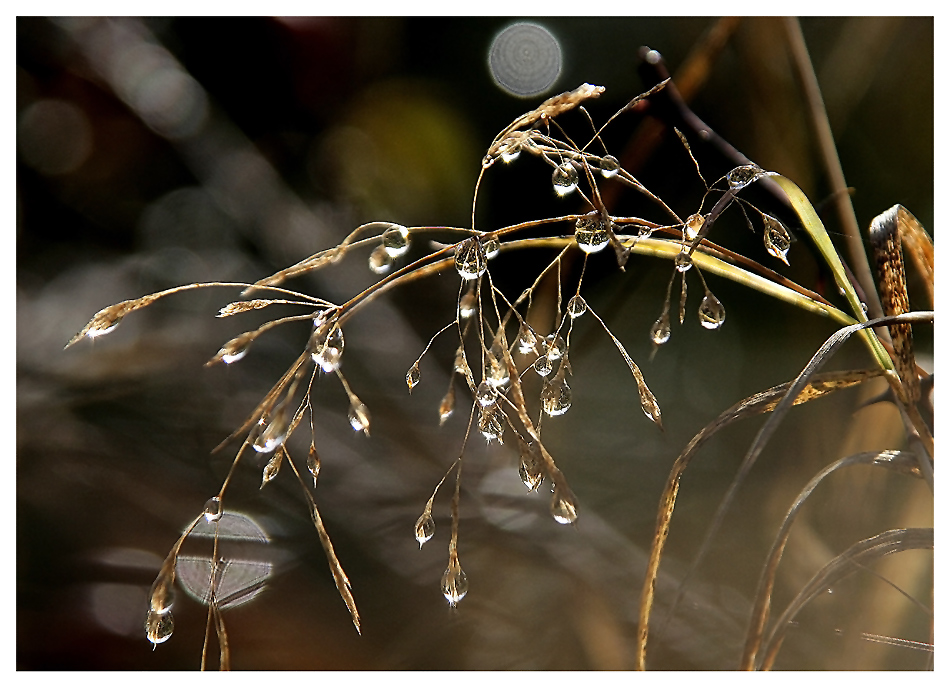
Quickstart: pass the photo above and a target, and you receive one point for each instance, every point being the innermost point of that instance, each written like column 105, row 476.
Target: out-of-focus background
column 153, row 153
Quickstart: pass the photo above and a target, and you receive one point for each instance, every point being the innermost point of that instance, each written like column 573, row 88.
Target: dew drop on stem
column 212, row 509
column 530, row 474
column 234, row 350
column 712, row 314
column 273, row 434
column 470, row 260
column 425, row 528
column 359, row 416
column 413, row 376
column 467, row 304
column 740, row 177
column 683, row 261
column 327, row 347
column 395, row 241
column 486, row 393
column 159, row 626
column 543, row 365
column 272, row 468
column 577, row 306
column 591, row 234
column 776, row 238
column 563, row 508
column 609, row 166
column 491, row 247
column 554, row 346
column 694, row 223
column 454, row 582
column 527, row 339
column 491, row 423
column 556, row 396
column 564, row 179
column 447, row 407
column 380, row 261
column 313, row 463
column 660, row 332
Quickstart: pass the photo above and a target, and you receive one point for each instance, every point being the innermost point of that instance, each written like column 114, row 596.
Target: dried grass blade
column 899, row 461
column 856, row 557
column 919, row 246
column 762, row 402
column 339, row 575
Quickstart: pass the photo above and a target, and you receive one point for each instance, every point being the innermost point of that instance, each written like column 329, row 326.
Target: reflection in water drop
column 413, row 376
column 244, row 561
column 425, row 528
column 395, row 241
column 212, row 509
column 563, row 508
column 470, row 260
column 776, row 238
column 556, row 396
column 380, row 260
column 577, row 306
column 454, row 582
column 525, row 59
column 564, row 179
column 609, row 166
column 159, row 626
column 712, row 314
column 660, row 332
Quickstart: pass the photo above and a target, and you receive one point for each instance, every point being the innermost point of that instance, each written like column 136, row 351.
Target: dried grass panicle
column 513, row 360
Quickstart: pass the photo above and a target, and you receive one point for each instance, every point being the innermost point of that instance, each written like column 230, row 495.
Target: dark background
column 266, row 140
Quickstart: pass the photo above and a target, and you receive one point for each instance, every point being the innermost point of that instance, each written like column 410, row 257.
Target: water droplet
column 271, row 469
column 776, row 238
column 491, row 247
column 491, row 423
column 461, row 364
column 486, row 393
column 425, row 528
column 694, row 223
column 577, row 306
column 327, row 350
column 527, row 339
column 273, row 435
column 413, row 376
column 564, row 179
column 487, row 162
column 313, row 463
column 359, row 416
column 159, row 626
column 497, row 367
column 609, row 166
column 510, row 154
column 660, row 332
column 563, row 508
column 396, row 241
column 467, row 304
column 711, row 312
column 683, row 261
column 380, row 262
column 530, row 475
column 554, row 346
column 212, row 509
column 740, row 177
column 543, row 366
column 447, row 406
column 454, row 582
column 233, row 350
column 470, row 260
column 556, row 396
column 644, row 232
column 591, row 234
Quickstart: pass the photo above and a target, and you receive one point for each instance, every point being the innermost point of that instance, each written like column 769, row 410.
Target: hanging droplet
column 212, row 509
column 413, row 376
column 711, row 312
column 776, row 238
column 486, row 393
column 470, row 260
column 543, row 366
column 425, row 528
column 313, row 463
column 564, row 179
column 577, row 306
column 740, row 177
column 491, row 423
column 328, row 352
column 454, row 582
column 527, row 339
column 461, row 364
column 159, row 627
column 609, row 166
column 563, row 508
column 467, row 304
column 271, row 469
column 556, row 396
column 554, row 346
column 447, row 406
column 510, row 154
column 491, row 247
column 233, row 350
column 591, row 234
column 273, row 435
column 660, row 332
column 530, row 475
column 644, row 232
column 497, row 367
column 683, row 261
column 380, row 262
column 396, row 241
column 694, row 223
column 359, row 416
